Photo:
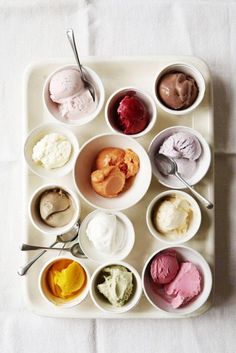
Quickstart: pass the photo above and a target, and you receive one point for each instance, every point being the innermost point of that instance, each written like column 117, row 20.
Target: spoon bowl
column 166, row 165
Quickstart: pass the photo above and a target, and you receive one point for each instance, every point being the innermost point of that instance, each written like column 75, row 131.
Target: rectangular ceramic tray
column 116, row 73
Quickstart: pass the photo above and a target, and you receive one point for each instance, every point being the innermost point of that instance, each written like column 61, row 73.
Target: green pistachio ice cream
column 118, row 285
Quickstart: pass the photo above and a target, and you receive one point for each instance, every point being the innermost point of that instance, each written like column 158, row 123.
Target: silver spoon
column 168, row 166
column 87, row 84
column 75, row 250
column 64, row 238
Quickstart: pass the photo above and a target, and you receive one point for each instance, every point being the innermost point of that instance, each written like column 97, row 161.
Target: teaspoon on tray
column 168, row 166
column 64, row 238
column 75, row 250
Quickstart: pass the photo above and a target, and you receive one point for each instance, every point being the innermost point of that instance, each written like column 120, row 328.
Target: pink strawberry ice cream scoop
column 67, row 89
column 185, row 286
column 65, row 84
column 133, row 116
column 164, row 267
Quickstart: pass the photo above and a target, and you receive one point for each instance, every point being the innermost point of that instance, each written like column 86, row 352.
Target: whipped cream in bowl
column 106, row 236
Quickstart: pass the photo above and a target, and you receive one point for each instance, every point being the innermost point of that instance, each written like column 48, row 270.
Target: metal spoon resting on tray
column 75, row 250
column 64, row 238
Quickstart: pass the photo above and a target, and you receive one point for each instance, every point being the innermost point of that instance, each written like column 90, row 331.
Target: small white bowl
column 188, row 70
column 114, row 100
column 36, row 135
column 203, row 163
column 102, row 303
column 185, row 254
column 84, row 167
column 35, row 216
column 127, row 244
column 52, row 107
column 173, row 238
column 49, row 297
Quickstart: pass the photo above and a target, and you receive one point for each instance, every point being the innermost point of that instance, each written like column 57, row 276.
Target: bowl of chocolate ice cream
column 54, row 209
column 179, row 88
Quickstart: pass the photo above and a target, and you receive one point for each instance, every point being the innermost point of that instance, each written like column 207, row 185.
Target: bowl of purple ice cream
column 68, row 100
column 188, row 148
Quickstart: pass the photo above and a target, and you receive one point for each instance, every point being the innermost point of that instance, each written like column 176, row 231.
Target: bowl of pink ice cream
column 68, row 100
column 188, row 148
column 177, row 280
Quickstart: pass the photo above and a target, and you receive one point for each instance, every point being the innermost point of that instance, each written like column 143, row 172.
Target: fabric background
column 34, row 29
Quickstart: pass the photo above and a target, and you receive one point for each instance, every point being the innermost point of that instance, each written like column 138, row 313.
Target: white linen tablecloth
column 30, row 30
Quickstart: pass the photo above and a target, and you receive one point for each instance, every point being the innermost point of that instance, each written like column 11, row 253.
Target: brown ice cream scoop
column 56, row 208
column 177, row 90
column 108, row 181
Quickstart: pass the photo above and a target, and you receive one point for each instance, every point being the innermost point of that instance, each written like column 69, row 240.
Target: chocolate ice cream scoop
column 177, row 90
column 56, row 208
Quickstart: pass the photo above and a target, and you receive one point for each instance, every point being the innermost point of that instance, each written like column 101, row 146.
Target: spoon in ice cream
column 167, row 166
column 64, row 238
column 87, row 84
column 75, row 250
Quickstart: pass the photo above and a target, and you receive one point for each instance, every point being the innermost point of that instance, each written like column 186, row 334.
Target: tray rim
column 36, row 64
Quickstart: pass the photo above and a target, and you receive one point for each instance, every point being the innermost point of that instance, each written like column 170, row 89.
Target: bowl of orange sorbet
column 112, row 172
column 64, row 281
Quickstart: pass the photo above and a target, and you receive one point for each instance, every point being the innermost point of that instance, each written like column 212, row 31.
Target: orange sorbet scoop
column 108, row 181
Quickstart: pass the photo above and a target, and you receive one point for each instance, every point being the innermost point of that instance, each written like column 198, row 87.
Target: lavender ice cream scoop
column 182, row 145
column 185, row 148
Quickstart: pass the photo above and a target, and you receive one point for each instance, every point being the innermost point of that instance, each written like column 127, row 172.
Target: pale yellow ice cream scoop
column 173, row 214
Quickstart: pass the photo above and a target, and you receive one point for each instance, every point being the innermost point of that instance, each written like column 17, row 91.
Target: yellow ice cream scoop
column 66, row 278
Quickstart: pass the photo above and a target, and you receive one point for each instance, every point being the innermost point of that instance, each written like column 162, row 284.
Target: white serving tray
column 116, row 73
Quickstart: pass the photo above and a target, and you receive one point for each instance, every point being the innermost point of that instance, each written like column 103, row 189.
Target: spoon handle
column 26, row 247
column 201, row 198
column 22, row 270
column 71, row 38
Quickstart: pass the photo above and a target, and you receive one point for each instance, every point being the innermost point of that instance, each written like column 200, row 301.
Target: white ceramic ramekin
column 36, row 135
column 114, row 100
column 102, row 303
column 37, row 220
column 52, row 107
column 184, row 253
column 49, row 297
column 173, row 238
column 188, row 70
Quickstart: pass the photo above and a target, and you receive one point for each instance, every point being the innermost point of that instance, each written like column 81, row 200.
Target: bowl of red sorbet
column 130, row 111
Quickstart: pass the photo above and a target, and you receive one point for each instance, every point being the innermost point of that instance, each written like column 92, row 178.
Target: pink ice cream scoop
column 65, row 84
column 67, row 89
column 185, row 286
column 164, row 267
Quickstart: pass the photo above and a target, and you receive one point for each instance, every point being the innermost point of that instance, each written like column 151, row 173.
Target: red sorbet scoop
column 132, row 115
